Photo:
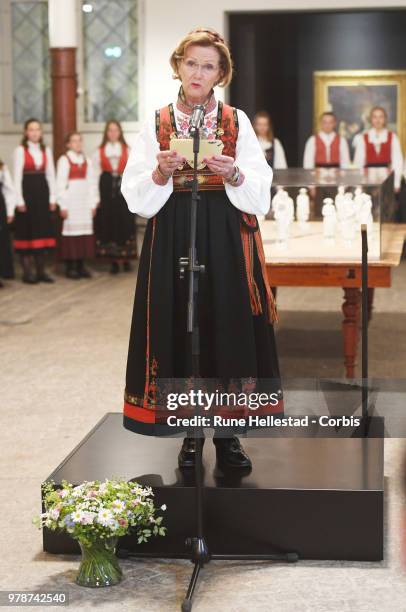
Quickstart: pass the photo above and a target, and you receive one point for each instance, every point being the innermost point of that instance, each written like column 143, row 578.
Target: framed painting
column 351, row 94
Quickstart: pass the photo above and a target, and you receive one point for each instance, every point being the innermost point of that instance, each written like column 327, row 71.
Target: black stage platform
column 323, row 498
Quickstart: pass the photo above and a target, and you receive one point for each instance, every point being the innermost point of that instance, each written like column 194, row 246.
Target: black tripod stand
column 197, row 545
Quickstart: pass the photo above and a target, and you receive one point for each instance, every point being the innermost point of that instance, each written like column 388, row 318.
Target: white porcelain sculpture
column 302, row 207
column 329, row 219
column 284, row 214
column 348, row 220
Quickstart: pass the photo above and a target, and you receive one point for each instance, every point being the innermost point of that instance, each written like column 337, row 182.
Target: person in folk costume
column 236, row 309
column 271, row 146
column 34, row 180
column 115, row 223
column 379, row 147
column 77, row 199
column 326, row 149
column 7, row 206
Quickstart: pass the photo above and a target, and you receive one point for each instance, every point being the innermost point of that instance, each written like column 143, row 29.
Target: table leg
column 351, row 311
column 371, row 291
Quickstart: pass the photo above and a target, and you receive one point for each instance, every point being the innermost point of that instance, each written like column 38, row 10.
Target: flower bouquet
column 96, row 514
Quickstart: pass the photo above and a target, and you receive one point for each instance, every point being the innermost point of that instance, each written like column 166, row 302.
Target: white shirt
column 8, row 190
column 279, row 159
column 377, row 138
column 309, row 157
column 113, row 151
column 146, row 198
column 36, row 152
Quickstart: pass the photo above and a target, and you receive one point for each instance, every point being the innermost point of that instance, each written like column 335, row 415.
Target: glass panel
column 30, row 58
column 110, row 33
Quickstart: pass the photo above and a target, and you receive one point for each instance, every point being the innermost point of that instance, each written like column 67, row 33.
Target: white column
column 62, row 23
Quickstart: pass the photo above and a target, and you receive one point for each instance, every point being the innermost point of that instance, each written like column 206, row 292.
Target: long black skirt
column 6, row 255
column 234, row 343
column 115, row 226
column 34, row 229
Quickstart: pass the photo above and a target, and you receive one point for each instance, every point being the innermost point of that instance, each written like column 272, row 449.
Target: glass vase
column 99, row 566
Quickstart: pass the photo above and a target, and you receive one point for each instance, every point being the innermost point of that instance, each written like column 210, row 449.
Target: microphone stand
column 199, row 551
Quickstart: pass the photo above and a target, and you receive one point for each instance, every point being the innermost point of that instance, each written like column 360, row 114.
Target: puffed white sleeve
column 18, row 163
column 253, row 195
column 50, row 176
column 9, row 192
column 62, row 181
column 142, row 194
column 359, row 153
column 96, row 172
column 92, row 183
column 280, row 157
column 345, row 160
column 309, row 153
column 397, row 160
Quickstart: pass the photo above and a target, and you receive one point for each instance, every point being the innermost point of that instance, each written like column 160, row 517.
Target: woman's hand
column 10, row 219
column 168, row 161
column 21, row 208
column 64, row 214
column 52, row 206
column 221, row 164
column 94, row 212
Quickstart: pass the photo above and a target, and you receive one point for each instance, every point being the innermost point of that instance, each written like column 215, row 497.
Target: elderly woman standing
column 235, row 305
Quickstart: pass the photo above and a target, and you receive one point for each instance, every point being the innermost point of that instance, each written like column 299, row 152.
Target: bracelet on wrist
column 162, row 175
column 234, row 178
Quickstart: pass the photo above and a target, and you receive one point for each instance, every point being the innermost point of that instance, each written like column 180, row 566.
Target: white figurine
column 348, row 219
column 284, row 213
column 302, row 207
column 358, row 200
column 329, row 218
column 279, row 193
column 365, row 215
column 339, row 199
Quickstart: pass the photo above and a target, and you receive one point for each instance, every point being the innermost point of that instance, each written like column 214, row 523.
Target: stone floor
column 62, row 354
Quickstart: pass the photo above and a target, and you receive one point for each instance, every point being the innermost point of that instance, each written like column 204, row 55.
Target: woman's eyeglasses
column 192, row 66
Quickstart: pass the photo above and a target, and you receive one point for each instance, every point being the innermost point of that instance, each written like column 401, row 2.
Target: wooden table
column 345, row 274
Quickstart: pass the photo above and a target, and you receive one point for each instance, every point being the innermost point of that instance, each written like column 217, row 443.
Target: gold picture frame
column 351, row 93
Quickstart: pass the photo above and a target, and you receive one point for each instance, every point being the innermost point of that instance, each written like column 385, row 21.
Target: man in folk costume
column 326, row 149
column 379, row 147
column 236, row 310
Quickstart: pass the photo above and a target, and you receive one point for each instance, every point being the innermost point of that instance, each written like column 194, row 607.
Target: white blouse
column 279, row 160
column 36, row 152
column 146, row 198
column 8, row 190
column 377, row 138
column 309, row 157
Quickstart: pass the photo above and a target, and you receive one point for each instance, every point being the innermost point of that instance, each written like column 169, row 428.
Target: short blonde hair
column 205, row 37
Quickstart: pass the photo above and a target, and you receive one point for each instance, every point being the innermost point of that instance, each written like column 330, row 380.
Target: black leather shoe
column 127, row 267
column 84, row 273
column 44, row 278
column 72, row 274
column 115, row 269
column 230, row 453
column 30, row 279
column 187, row 455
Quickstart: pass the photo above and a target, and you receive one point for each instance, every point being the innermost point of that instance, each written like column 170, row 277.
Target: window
column 110, row 55
column 31, row 83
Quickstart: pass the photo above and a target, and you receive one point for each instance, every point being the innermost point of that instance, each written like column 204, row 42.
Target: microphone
column 196, row 118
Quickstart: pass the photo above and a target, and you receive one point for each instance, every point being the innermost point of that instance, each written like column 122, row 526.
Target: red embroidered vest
column 321, row 159
column 381, row 159
column 105, row 161
column 29, row 164
column 227, row 131
column 77, row 171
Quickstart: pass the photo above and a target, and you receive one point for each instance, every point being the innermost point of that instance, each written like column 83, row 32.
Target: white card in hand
column 208, row 148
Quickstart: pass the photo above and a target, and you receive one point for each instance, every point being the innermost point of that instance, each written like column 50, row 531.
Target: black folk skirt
column 115, row 226
column 6, row 255
column 34, row 229
column 234, row 343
